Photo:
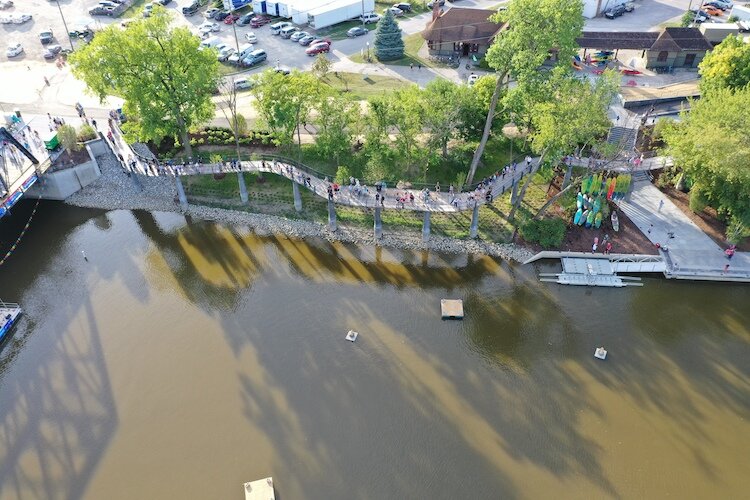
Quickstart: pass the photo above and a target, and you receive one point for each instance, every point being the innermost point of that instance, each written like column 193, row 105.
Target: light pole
column 64, row 24
column 368, row 51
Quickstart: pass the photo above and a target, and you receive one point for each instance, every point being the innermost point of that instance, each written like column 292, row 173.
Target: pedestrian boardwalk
column 687, row 251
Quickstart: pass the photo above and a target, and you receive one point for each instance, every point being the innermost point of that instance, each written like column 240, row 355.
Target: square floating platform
column 452, row 309
column 600, row 353
column 351, row 336
column 262, row 489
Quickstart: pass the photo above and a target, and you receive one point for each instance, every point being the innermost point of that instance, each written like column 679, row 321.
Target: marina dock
column 262, row 489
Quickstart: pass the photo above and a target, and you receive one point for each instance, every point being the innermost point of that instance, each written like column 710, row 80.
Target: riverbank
column 115, row 190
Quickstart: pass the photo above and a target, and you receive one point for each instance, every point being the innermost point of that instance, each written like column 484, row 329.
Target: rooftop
column 463, row 25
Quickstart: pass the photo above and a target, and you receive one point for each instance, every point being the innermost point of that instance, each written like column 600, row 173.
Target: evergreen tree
column 388, row 43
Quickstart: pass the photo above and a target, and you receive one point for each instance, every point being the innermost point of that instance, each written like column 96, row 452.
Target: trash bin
column 51, row 141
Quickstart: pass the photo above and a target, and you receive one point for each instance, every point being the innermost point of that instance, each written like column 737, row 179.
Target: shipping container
column 337, row 12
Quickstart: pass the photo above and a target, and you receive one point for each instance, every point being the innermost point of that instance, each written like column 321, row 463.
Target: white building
column 594, row 8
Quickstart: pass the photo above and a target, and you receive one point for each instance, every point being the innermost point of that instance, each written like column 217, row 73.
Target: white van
column 243, row 53
column 277, row 27
column 209, row 42
column 288, row 31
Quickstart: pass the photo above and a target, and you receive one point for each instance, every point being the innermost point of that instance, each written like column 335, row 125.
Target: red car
column 318, row 48
column 321, row 40
column 231, row 18
column 259, row 21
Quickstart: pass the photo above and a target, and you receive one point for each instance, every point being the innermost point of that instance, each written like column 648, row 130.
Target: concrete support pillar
column 181, row 193
column 378, row 227
column 426, row 227
column 243, row 187
column 514, row 192
column 297, row 196
column 568, row 174
column 474, row 229
column 331, row 216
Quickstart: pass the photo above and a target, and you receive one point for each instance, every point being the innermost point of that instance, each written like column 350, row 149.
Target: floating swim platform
column 262, row 489
column 9, row 315
column 351, row 335
column 600, row 353
column 452, row 308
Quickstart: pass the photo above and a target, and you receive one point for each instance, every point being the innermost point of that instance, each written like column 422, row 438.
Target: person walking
column 661, row 204
column 726, row 268
column 93, row 122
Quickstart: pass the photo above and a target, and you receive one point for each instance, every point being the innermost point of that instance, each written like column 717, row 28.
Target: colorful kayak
column 598, row 220
column 611, row 189
column 615, row 221
column 597, row 204
column 584, row 215
column 590, row 219
column 579, row 200
column 577, row 216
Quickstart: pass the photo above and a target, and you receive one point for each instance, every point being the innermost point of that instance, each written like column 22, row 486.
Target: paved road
column 691, row 252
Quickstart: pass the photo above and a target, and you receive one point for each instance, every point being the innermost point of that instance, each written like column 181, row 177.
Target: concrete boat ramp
column 590, row 269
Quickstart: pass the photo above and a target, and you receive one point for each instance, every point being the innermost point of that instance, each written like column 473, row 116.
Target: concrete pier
column 181, row 193
column 297, row 196
column 243, row 187
column 378, row 226
column 426, row 227
column 331, row 215
column 474, row 229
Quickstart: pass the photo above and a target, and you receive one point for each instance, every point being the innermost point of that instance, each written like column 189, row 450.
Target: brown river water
column 185, row 358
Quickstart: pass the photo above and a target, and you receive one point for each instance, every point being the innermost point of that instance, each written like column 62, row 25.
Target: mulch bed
column 628, row 239
column 707, row 220
column 69, row 159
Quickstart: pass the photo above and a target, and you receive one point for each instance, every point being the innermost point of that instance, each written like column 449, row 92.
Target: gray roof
column 669, row 39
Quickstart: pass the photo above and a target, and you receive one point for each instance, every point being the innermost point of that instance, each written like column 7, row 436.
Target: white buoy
column 351, row 336
column 84, row 256
column 600, row 353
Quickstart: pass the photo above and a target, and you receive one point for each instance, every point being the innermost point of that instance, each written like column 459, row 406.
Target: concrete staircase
column 622, row 137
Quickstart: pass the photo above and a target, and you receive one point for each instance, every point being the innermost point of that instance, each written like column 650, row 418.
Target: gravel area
column 115, row 190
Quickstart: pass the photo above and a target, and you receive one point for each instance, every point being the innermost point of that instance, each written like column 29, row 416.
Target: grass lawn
column 363, row 86
column 412, row 44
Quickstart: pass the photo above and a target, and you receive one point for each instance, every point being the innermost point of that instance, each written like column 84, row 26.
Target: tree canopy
column 165, row 80
column 727, row 66
column 710, row 146
column 389, row 45
column 535, row 30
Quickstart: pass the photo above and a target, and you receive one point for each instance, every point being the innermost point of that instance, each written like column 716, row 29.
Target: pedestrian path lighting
column 64, row 23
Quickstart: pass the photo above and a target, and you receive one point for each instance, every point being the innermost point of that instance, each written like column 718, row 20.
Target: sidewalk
column 691, row 253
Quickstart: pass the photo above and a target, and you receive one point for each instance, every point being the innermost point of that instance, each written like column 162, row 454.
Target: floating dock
column 452, row 309
column 262, row 489
column 588, row 269
column 10, row 313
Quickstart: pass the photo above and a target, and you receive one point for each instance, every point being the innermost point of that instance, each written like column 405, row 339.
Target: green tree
column 687, row 19
column 727, row 66
column 406, row 119
column 445, row 106
column 68, row 138
column 284, row 102
column 574, row 113
column 534, row 27
column 389, row 45
column 336, row 121
column 321, row 66
column 709, row 145
column 165, row 80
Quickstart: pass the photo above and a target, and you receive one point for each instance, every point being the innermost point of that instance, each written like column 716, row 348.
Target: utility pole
column 67, row 33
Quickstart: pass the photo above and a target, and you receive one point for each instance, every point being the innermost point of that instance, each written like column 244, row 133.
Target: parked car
column 717, row 5
column 394, row 10
column 299, row 34
column 164, row 2
column 321, row 40
column 46, row 36
column 283, row 70
column 629, row 6
column 288, row 31
column 727, row 3
column 713, row 11
column 6, row 4
column 258, row 21
column 439, row 2
column 245, row 20
column 210, row 13
column 231, row 18
column 255, row 57
column 306, row 40
column 224, row 53
column 250, row 37
column 147, row 9
column 14, row 49
column 318, row 48
column 208, row 27
column 404, row 6
column 221, row 15
column 370, row 17
column 243, row 84
column 190, row 9
column 357, row 31
column 21, row 18
column 51, row 51
column 277, row 27
column 472, row 79
column 615, row 11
